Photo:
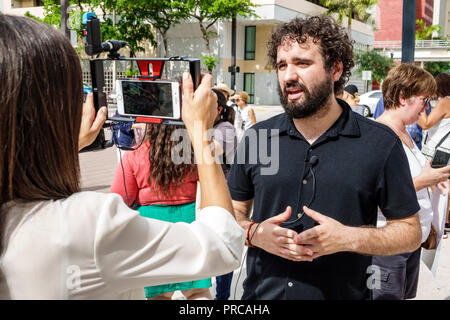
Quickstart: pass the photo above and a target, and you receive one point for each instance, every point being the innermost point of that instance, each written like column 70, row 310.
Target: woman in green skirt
column 150, row 181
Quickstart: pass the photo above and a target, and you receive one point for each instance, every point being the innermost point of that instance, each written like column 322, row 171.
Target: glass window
column 249, row 86
column 376, row 95
column 250, row 40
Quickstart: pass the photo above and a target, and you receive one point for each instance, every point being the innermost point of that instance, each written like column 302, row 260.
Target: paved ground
column 97, row 174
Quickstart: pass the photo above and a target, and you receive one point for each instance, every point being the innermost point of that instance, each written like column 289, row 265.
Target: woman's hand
column 199, row 108
column 431, row 176
column 90, row 124
column 444, row 187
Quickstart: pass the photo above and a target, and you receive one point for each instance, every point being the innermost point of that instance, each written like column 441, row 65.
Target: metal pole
column 114, row 62
column 233, row 53
column 408, row 30
column 65, row 18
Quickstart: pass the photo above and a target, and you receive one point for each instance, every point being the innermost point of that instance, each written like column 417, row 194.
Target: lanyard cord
column 302, row 213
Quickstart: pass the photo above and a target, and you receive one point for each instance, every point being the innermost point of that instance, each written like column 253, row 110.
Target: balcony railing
column 419, row 44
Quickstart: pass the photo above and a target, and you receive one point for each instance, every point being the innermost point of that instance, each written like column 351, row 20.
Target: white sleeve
column 425, row 213
column 132, row 251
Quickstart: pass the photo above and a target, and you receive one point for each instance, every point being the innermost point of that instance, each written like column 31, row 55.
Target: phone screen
column 147, row 98
column 440, row 159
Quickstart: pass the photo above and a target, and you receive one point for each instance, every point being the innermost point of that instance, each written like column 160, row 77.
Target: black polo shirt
column 361, row 166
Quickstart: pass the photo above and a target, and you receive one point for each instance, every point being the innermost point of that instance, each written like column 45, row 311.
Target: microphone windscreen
column 314, row 160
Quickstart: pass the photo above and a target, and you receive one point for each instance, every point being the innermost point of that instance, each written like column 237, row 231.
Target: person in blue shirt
column 123, row 136
column 414, row 130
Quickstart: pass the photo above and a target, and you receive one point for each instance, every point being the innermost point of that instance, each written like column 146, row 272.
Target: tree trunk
column 205, row 37
column 65, row 18
column 166, row 48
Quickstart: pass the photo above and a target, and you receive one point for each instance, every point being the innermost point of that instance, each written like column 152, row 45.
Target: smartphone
column 154, row 99
column 440, row 159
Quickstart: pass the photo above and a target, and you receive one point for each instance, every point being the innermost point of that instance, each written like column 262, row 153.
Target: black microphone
column 314, row 160
column 113, row 45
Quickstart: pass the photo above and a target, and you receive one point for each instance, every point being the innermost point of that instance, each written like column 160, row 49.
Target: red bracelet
column 248, row 233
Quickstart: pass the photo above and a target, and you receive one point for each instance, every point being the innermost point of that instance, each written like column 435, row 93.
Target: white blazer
column 92, row 246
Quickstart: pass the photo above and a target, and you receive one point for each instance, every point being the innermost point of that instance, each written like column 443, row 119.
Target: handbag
column 428, row 151
column 431, row 242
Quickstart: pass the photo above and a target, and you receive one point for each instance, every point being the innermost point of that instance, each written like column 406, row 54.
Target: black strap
column 442, row 140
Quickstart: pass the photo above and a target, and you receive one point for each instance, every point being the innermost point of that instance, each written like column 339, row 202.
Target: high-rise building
column 441, row 16
column 389, row 17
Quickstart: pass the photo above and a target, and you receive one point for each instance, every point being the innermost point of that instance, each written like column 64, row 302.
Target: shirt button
column 290, row 284
column 305, row 181
column 299, row 215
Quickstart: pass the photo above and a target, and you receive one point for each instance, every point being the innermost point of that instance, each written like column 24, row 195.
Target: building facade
column 441, row 16
column 389, row 17
column 388, row 37
column 252, row 34
column 20, row 7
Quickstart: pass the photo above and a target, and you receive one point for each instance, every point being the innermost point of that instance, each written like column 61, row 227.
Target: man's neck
column 316, row 125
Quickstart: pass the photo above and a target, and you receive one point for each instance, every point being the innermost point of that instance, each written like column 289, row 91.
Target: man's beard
column 312, row 101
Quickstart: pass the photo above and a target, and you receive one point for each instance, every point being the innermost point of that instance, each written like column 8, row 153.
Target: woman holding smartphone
column 61, row 243
column 437, row 123
column 406, row 93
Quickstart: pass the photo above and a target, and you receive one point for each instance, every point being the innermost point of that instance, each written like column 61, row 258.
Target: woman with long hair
column 153, row 181
column 60, row 243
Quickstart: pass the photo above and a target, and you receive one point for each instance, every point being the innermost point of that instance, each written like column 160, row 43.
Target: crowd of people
column 350, row 194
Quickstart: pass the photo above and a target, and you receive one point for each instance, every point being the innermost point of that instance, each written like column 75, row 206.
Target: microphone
column 113, row 45
column 314, row 160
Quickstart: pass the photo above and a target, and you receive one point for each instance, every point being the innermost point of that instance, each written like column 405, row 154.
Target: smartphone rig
column 95, row 46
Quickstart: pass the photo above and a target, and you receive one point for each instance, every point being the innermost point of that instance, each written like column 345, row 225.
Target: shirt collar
column 345, row 125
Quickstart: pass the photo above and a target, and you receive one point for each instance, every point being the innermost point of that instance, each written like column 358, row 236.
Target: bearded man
column 312, row 231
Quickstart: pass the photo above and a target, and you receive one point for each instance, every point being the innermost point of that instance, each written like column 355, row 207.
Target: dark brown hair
column 166, row 174
column 406, row 80
column 41, row 100
column 332, row 39
column 443, row 84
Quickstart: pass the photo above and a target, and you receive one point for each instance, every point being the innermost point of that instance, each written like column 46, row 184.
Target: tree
column 52, row 13
column 424, row 32
column 127, row 28
column 349, row 8
column 161, row 14
column 436, row 67
column 375, row 62
column 208, row 12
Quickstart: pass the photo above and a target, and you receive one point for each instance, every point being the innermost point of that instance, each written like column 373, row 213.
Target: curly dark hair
column 443, row 84
column 332, row 39
column 166, row 174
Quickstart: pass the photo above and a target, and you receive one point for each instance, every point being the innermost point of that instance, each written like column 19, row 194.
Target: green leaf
column 210, row 62
column 375, row 62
